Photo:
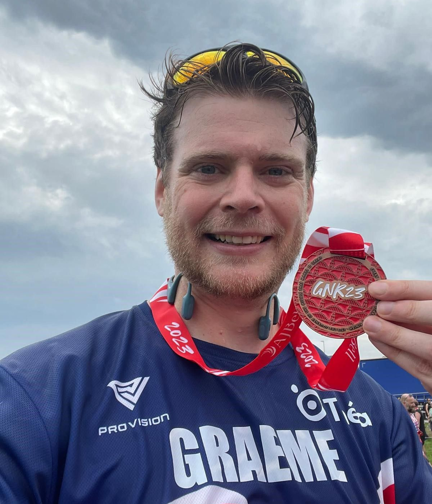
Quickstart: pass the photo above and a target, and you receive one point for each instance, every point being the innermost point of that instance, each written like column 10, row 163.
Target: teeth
column 239, row 240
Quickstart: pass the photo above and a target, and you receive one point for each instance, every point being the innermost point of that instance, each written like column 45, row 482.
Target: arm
column 402, row 329
column 25, row 453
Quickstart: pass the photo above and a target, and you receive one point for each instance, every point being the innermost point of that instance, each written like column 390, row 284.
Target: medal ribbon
column 338, row 373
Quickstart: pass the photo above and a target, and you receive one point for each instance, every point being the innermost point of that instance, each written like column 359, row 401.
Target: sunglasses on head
column 202, row 61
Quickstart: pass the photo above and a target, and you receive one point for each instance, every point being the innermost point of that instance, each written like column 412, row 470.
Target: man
column 419, row 415
column 411, row 405
column 111, row 412
column 428, row 412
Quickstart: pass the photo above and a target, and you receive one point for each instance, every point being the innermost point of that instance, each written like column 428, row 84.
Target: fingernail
column 372, row 325
column 385, row 307
column 378, row 288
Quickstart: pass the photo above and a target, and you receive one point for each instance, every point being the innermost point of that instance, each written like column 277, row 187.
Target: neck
column 226, row 322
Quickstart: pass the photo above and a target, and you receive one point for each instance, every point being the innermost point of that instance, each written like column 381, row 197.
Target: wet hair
column 243, row 71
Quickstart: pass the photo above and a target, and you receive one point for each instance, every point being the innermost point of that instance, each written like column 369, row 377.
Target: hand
column 403, row 328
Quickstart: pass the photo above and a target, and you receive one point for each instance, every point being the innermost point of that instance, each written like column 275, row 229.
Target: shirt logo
column 128, row 393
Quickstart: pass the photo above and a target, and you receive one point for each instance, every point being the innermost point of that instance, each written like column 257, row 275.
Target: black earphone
column 265, row 321
column 188, row 303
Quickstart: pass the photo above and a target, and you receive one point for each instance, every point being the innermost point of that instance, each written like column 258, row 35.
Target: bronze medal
column 330, row 292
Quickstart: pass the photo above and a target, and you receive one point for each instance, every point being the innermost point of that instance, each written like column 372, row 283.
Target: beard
column 236, row 282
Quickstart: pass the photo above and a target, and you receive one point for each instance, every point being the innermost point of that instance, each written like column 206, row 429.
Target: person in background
column 419, row 415
column 428, row 411
column 410, row 404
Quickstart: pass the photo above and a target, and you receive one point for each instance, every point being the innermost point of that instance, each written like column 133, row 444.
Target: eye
column 207, row 169
column 277, row 172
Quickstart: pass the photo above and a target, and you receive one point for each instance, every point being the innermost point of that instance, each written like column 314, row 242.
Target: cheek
column 290, row 209
column 191, row 204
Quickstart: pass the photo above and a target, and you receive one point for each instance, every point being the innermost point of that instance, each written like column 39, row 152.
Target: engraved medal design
column 330, row 292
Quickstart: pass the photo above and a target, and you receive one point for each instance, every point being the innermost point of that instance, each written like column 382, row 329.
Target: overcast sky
column 79, row 233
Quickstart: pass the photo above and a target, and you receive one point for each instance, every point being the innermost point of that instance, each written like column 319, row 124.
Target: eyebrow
column 295, row 161
column 282, row 157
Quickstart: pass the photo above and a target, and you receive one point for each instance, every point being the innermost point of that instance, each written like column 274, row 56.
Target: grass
column 428, row 449
column 428, row 443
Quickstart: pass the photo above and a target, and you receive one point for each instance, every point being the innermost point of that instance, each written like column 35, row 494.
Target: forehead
column 243, row 126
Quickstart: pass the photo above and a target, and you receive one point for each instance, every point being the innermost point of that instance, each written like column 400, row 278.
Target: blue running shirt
column 107, row 413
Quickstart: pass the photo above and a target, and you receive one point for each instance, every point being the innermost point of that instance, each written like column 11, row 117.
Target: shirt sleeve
column 412, row 472
column 25, row 452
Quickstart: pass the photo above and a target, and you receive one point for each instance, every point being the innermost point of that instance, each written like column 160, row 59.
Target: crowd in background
column 420, row 413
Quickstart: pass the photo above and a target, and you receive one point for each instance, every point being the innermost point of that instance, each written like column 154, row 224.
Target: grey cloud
column 56, row 295
column 21, row 243
column 353, row 96
column 143, row 30
column 353, row 100
column 381, row 194
column 79, row 233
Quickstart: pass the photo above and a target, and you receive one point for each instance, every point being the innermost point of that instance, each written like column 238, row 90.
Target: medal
column 330, row 292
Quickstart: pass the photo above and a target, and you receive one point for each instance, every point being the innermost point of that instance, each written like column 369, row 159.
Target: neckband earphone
column 188, row 304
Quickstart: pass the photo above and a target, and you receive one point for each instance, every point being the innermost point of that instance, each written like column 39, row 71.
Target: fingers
column 402, row 328
column 408, row 348
column 418, row 313
column 398, row 337
column 391, row 290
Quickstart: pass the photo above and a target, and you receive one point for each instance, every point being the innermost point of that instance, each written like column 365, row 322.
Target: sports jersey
column 107, row 413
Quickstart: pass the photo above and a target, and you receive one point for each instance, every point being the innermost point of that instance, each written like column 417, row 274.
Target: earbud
column 188, row 304
column 188, row 300
column 173, row 284
column 265, row 322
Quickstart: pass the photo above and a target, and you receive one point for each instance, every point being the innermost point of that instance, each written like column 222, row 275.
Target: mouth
column 238, row 240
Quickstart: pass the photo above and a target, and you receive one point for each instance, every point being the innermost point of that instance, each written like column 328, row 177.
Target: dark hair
column 235, row 74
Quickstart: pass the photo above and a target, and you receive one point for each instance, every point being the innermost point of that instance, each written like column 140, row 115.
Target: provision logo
column 128, row 393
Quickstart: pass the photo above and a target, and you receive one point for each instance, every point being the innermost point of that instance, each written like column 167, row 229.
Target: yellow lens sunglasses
column 202, row 61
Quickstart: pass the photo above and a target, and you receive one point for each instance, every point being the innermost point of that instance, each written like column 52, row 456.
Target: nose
column 242, row 192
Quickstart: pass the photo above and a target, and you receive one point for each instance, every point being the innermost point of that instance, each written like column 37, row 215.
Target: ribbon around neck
column 336, row 375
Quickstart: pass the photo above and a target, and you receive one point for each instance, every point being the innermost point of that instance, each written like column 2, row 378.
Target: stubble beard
column 237, row 284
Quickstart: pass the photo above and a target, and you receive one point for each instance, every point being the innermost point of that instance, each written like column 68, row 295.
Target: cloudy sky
column 79, row 233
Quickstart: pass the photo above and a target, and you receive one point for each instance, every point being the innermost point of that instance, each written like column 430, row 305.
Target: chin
column 241, row 285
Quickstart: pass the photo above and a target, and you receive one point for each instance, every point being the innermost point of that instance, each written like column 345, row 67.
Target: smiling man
column 184, row 398
column 237, row 195
column 235, row 202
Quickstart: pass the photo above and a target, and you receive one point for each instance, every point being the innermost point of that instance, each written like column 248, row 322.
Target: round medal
column 330, row 292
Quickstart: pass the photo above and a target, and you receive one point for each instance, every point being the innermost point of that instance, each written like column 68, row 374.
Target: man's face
column 410, row 405
column 237, row 197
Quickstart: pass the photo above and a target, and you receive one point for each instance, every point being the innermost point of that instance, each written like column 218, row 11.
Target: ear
column 159, row 193
column 310, row 198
